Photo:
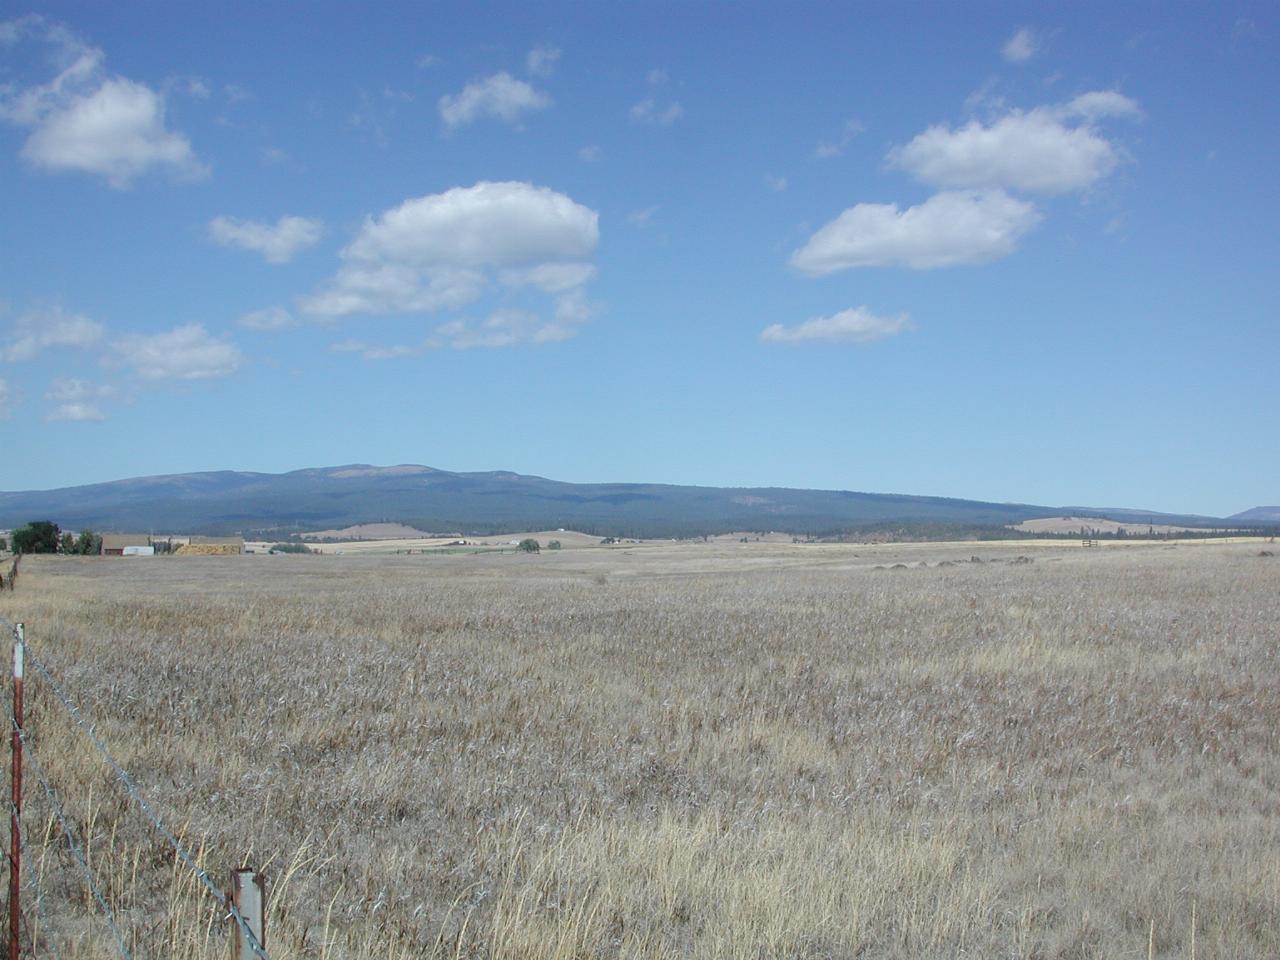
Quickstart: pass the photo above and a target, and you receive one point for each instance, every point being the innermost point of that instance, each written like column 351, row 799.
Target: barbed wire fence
column 244, row 908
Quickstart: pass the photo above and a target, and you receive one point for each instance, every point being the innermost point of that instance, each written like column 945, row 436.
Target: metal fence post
column 249, row 896
column 15, row 813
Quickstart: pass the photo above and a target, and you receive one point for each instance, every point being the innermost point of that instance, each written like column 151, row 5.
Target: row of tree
column 44, row 536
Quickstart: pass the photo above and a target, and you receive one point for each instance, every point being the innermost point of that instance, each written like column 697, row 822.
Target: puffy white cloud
column 541, row 61
column 857, row 325
column 1038, row 150
column 650, row 111
column 85, row 121
column 950, row 228
column 488, row 224
column 501, row 96
column 277, row 243
column 434, row 252
column 183, row 353
column 272, row 318
column 37, row 331
column 1021, row 47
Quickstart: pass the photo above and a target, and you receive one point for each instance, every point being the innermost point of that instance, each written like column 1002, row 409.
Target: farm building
column 116, row 544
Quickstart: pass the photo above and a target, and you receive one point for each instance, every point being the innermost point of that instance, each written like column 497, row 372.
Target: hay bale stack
column 208, row 550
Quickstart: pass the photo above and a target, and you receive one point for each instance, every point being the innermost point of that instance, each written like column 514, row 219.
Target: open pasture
column 729, row 751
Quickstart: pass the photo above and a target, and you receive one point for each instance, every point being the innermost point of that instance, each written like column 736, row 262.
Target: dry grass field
column 701, row 751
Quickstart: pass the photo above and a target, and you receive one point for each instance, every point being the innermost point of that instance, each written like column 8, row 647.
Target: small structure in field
column 126, row 544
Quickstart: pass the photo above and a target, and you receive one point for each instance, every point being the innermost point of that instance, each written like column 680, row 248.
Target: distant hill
column 1258, row 515
column 440, row 500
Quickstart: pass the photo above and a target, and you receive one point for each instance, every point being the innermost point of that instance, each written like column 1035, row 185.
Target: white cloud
column 77, row 400
column 776, row 184
column 69, row 389
column 950, row 228
column 76, row 413
column 549, row 277
column 857, row 325
column 84, row 120
column 649, row 111
column 656, row 77
column 272, row 318
column 277, row 243
column 183, row 353
column 1036, row 150
column 6, row 398
column 501, row 96
column 1021, row 47
column 1102, row 103
column 590, row 153
column 433, row 252
column 37, row 331
column 541, row 61
column 508, row 327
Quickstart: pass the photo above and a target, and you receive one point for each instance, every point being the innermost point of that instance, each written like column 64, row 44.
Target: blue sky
column 1005, row 252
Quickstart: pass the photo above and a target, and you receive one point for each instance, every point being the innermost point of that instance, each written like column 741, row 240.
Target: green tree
column 529, row 545
column 553, row 545
column 39, row 536
column 4, row 544
column 67, row 543
column 88, row 543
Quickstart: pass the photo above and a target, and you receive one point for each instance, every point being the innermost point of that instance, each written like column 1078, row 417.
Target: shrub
column 529, row 545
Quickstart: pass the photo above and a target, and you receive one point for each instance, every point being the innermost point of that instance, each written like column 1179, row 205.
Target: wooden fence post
column 249, row 895
column 15, row 813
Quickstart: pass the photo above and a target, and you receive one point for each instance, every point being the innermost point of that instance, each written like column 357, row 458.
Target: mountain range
column 489, row 502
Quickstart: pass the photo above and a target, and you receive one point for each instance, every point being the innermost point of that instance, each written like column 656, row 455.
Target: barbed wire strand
column 72, row 845
column 132, row 788
column 33, row 882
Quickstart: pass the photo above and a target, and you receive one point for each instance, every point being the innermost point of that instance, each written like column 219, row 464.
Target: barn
column 115, row 544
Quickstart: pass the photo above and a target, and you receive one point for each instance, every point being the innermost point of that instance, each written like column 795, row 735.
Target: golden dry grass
column 694, row 751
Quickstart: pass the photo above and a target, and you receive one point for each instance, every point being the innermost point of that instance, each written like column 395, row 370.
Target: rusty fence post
column 249, row 896
column 15, row 812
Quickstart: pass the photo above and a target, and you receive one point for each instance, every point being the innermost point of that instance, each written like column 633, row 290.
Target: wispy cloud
column 856, row 325
column 40, row 330
column 278, row 242
column 834, row 148
column 1021, row 47
column 77, row 400
column 183, row 353
column 541, row 61
column 272, row 318
column 500, row 96
column 651, row 112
